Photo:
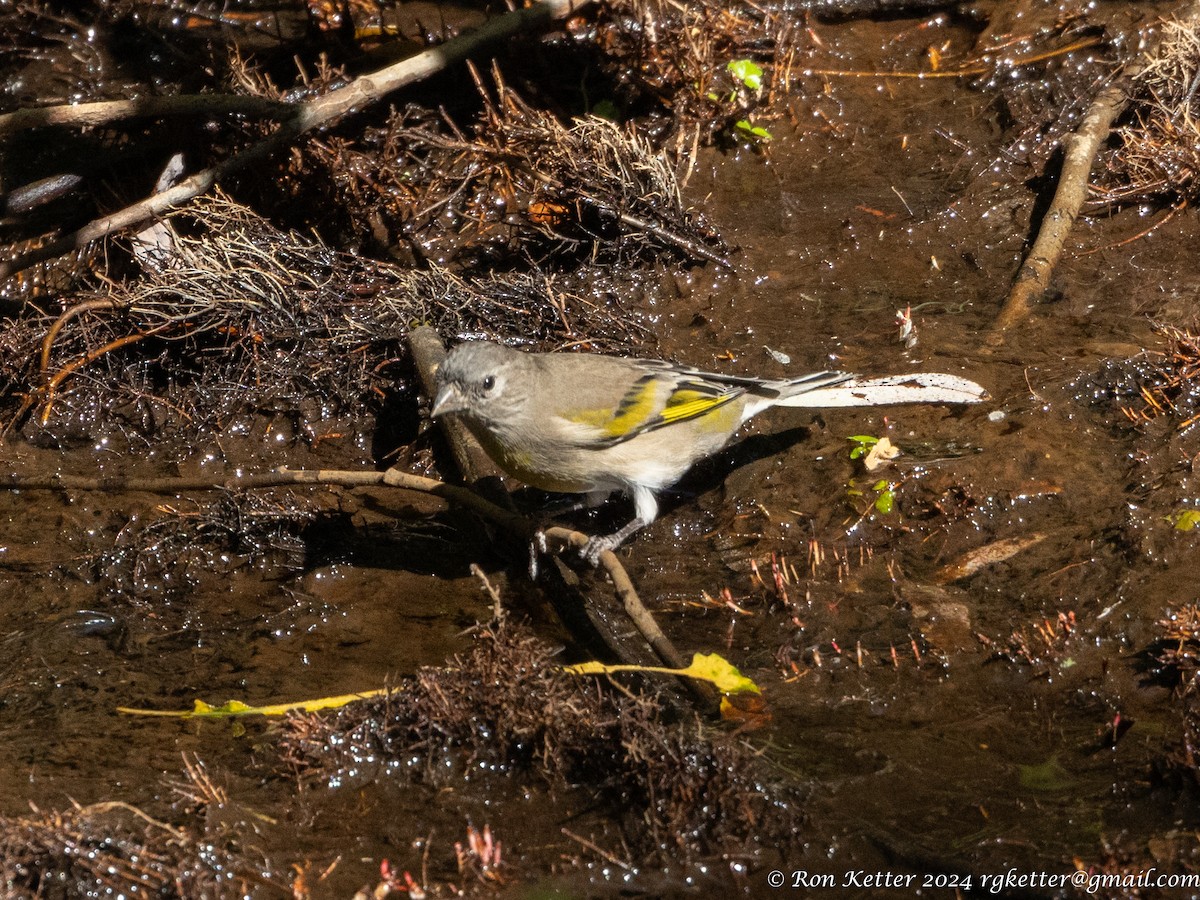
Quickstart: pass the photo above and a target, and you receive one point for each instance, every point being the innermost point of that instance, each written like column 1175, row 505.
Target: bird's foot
column 596, row 545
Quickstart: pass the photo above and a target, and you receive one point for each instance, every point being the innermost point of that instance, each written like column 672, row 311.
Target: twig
column 1079, row 153
column 567, row 539
column 361, row 92
column 100, row 809
column 574, row 541
column 1080, row 150
column 966, row 70
column 91, row 356
column 1162, row 220
column 597, row 849
column 52, row 333
column 497, row 607
column 695, row 248
column 81, row 115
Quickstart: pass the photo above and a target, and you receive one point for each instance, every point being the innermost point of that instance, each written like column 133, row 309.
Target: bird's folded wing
column 919, row 387
column 650, row 403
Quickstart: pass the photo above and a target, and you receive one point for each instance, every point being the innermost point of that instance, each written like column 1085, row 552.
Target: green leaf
column 754, row 131
column 606, row 109
column 747, row 72
column 1047, row 776
column 885, row 502
column 862, row 445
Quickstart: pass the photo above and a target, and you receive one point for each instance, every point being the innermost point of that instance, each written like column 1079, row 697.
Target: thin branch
column 76, row 310
column 695, row 248
column 967, row 69
column 88, row 358
column 1080, row 149
column 104, row 112
column 361, row 92
column 566, row 539
column 280, row 477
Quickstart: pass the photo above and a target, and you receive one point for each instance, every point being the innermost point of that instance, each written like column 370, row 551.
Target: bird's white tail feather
column 919, row 387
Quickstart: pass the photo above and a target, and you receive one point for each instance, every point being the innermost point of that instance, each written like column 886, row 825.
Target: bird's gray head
column 479, row 380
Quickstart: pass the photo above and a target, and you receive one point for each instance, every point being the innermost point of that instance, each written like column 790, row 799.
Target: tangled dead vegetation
column 1178, row 655
column 113, row 849
column 672, row 57
column 679, row 793
column 1157, row 392
column 245, row 320
column 250, row 323
column 1170, row 388
column 523, row 187
column 1177, row 660
column 1158, row 156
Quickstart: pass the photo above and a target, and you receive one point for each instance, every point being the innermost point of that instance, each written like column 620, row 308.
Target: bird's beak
column 448, row 400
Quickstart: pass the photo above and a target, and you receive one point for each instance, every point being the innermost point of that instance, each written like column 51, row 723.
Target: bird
column 594, row 424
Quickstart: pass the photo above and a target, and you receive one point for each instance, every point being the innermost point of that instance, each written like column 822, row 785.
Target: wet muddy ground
column 949, row 726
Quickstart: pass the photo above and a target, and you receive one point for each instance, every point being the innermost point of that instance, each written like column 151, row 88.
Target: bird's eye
column 489, row 382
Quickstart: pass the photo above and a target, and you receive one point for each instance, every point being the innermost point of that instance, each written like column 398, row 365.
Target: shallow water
column 922, row 751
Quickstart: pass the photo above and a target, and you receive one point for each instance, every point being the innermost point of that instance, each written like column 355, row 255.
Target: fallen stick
column 568, row 540
column 1079, row 154
column 104, row 112
column 363, row 91
column 1080, row 148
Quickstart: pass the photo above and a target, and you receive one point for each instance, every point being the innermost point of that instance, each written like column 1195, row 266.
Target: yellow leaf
column 1185, row 519
column 710, row 667
column 589, row 668
column 721, row 672
column 235, row 708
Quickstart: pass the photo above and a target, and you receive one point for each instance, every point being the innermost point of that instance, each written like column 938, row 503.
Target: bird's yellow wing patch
column 642, row 408
column 689, row 403
column 637, row 407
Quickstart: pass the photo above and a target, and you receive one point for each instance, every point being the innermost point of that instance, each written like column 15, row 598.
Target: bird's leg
column 645, row 508
column 537, row 546
column 595, row 546
column 575, row 503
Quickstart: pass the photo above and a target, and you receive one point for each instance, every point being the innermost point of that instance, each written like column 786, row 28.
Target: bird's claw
column 596, row 545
